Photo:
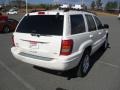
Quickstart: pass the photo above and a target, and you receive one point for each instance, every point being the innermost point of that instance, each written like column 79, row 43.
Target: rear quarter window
column 77, row 24
column 42, row 24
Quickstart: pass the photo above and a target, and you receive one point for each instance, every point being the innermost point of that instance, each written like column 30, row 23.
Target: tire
column 6, row 29
column 84, row 65
column 60, row 8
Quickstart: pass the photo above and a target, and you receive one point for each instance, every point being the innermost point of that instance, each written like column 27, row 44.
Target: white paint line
column 109, row 64
column 27, row 85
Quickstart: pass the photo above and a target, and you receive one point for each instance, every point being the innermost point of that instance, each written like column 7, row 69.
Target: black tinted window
column 77, row 24
column 91, row 23
column 42, row 24
column 99, row 24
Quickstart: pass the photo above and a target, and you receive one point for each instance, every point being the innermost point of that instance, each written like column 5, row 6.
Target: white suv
column 64, row 6
column 59, row 40
column 77, row 7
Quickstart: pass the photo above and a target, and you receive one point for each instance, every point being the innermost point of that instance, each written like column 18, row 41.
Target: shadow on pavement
column 72, row 73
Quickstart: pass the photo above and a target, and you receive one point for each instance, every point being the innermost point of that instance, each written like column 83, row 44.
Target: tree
column 111, row 5
column 93, row 5
column 17, row 3
column 2, row 2
column 98, row 4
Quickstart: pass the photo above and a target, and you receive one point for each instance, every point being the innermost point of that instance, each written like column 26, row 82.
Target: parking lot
column 104, row 74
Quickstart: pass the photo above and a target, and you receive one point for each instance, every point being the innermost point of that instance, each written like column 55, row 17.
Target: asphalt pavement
column 104, row 74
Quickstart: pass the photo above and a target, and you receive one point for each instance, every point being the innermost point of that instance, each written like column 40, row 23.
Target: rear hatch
column 40, row 35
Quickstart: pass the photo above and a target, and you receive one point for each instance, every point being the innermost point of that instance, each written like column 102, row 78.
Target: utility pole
column 55, row 1
column 118, row 6
column 26, row 6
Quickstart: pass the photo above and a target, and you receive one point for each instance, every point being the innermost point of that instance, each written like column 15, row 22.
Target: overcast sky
column 66, row 1
column 87, row 2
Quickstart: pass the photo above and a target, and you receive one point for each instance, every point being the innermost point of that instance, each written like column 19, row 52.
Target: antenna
column 118, row 6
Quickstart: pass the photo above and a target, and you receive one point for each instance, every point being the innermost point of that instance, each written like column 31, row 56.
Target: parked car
column 7, row 25
column 12, row 11
column 64, row 6
column 77, row 7
column 59, row 40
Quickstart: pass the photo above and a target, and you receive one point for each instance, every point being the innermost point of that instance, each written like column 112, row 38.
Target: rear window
column 42, row 24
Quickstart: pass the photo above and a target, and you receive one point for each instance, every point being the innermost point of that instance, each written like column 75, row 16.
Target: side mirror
column 106, row 26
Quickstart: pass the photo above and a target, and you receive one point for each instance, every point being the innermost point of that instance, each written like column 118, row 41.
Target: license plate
column 34, row 45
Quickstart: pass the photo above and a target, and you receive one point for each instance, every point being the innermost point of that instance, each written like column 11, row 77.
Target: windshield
column 42, row 24
column 11, row 10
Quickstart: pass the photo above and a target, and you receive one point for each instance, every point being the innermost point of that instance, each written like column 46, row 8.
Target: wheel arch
column 86, row 46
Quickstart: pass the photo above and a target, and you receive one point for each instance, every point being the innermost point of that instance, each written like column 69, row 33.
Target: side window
column 91, row 23
column 77, row 24
column 99, row 24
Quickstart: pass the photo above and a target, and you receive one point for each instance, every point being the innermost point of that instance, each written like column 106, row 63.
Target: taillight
column 13, row 43
column 66, row 47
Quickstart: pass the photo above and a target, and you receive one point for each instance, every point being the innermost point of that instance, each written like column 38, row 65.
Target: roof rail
column 68, row 9
column 90, row 11
column 39, row 9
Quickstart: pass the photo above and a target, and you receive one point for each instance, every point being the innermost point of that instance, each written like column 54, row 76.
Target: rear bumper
column 61, row 63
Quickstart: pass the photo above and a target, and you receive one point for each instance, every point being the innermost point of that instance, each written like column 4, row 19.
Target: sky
column 88, row 2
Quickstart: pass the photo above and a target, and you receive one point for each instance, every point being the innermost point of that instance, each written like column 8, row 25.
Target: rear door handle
column 100, row 33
